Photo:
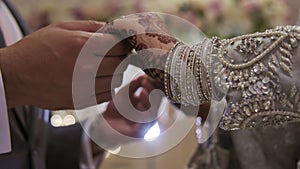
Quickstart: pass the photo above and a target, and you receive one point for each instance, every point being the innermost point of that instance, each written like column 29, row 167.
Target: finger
column 106, row 44
column 148, row 84
column 111, row 65
column 141, row 101
column 140, row 107
column 104, row 84
column 135, row 84
column 144, row 99
column 151, row 84
column 88, row 26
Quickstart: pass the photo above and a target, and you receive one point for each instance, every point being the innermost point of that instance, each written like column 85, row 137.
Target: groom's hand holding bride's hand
column 147, row 34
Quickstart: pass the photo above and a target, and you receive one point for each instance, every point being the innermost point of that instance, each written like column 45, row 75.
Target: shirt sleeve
column 5, row 140
column 11, row 33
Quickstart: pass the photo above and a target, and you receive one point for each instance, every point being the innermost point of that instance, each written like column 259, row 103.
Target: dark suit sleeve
column 64, row 146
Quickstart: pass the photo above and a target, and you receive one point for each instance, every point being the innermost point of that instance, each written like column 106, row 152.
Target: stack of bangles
column 186, row 79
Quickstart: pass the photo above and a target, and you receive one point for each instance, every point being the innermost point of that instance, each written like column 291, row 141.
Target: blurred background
column 215, row 17
column 224, row 18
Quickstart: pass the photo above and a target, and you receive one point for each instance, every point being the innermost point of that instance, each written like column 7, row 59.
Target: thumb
column 88, row 26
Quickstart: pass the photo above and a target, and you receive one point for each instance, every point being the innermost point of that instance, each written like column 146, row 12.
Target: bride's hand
column 147, row 34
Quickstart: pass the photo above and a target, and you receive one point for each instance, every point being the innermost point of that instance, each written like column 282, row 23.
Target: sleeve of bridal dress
column 258, row 75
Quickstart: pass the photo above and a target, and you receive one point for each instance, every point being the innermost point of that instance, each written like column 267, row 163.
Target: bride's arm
column 260, row 72
column 257, row 73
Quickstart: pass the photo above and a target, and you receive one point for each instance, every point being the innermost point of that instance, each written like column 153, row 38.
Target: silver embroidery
column 253, row 68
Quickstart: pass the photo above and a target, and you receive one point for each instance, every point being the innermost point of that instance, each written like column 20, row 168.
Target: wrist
column 186, row 77
column 11, row 83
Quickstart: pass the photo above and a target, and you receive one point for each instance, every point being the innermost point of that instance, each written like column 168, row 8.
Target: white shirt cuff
column 5, row 140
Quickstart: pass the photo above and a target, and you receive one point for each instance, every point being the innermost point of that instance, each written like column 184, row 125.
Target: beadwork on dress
column 257, row 71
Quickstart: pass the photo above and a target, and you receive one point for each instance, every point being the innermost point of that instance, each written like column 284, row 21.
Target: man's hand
column 38, row 69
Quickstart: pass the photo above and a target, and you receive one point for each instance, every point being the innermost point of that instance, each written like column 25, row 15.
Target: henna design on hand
column 155, row 36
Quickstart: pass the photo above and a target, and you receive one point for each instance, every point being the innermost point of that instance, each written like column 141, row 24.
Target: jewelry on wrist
column 186, row 79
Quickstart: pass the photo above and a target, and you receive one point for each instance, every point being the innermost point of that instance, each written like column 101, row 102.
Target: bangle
column 186, row 80
column 167, row 72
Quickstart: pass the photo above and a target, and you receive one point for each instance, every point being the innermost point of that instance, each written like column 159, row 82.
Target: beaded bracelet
column 167, row 75
column 186, row 79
